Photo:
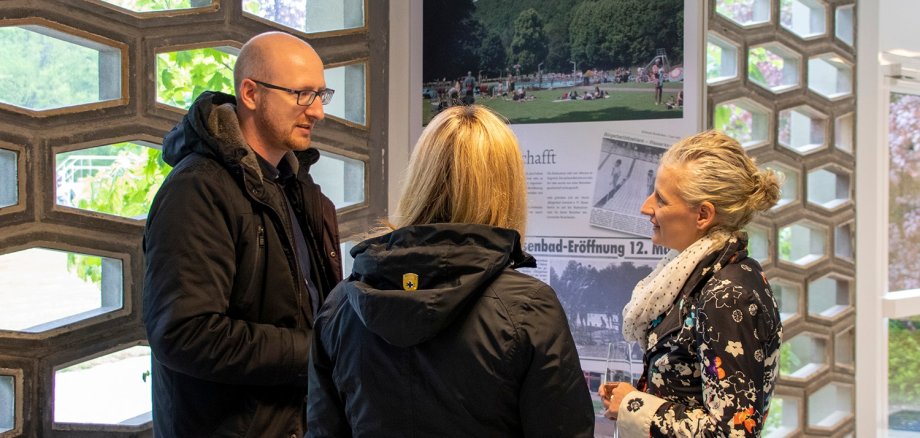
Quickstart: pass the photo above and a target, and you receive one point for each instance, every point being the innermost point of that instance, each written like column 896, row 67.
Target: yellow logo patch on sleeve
column 410, row 282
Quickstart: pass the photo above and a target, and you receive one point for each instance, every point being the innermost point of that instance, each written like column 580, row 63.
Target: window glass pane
column 42, row 289
column 119, row 179
column 903, row 377
column 7, row 403
column 158, row 5
column 903, row 191
column 9, row 178
column 45, row 68
column 183, row 75
column 309, row 15
column 112, row 389
column 341, row 178
column 349, row 100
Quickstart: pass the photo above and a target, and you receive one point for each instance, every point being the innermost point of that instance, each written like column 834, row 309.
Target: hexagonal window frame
column 761, row 121
column 836, row 311
column 790, row 72
column 808, row 370
column 137, row 423
column 760, row 12
column 836, row 418
column 791, row 187
column 316, row 33
column 78, row 37
column 807, row 258
column 817, row 185
column 82, row 165
column 789, row 309
column 820, row 67
column 728, row 67
column 114, row 300
column 228, row 47
column 806, row 19
column 793, row 137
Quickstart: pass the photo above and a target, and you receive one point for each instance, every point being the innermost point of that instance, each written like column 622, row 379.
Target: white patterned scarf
column 656, row 292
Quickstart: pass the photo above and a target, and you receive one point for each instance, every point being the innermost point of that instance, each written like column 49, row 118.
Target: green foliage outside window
column 903, row 357
column 183, row 75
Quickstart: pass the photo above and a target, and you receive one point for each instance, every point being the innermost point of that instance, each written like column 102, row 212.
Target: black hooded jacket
column 478, row 350
column 226, row 308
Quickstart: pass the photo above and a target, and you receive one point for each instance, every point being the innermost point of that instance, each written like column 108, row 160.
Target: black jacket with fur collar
column 226, row 309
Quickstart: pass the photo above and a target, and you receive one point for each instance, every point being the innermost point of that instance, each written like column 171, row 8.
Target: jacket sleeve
column 738, row 349
column 190, row 260
column 554, row 398
column 326, row 416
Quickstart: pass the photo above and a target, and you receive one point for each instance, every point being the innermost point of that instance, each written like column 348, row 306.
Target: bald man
column 241, row 247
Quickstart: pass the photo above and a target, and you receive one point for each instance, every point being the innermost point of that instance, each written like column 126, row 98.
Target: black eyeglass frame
column 325, row 94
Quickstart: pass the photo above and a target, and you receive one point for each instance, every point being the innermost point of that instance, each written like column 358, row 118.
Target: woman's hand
column 612, row 393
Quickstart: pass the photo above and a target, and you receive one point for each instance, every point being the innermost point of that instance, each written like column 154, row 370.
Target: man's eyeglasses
column 304, row 97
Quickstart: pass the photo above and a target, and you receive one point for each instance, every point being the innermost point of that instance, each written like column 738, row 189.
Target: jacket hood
column 211, row 128
column 453, row 264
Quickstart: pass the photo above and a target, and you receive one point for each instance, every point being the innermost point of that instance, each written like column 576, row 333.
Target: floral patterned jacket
column 712, row 358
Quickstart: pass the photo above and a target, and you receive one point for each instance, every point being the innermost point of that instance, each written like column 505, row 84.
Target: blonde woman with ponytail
column 705, row 317
column 435, row 333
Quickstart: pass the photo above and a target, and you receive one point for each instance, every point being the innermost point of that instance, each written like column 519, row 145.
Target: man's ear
column 247, row 95
column 706, row 216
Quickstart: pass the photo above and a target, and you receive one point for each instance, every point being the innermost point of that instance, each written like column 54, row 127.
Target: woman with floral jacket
column 705, row 317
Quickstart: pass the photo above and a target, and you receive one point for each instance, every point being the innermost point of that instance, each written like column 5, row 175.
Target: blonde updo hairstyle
column 466, row 168
column 719, row 171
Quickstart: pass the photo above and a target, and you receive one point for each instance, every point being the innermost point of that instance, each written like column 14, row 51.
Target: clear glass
column 744, row 12
column 7, row 403
column 830, row 76
column 758, row 243
column 903, row 189
column 802, row 243
column 829, row 187
column 802, row 129
column 9, row 178
column 829, row 296
column 783, row 420
column 46, row 68
column 350, row 102
column 843, row 133
column 43, row 289
column 774, row 67
column 744, row 120
column 843, row 241
column 309, row 16
column 787, row 295
column 830, row 406
column 903, row 380
column 119, row 179
column 158, row 5
column 111, row 389
column 341, row 178
column 184, row 74
column 804, row 18
column 844, row 24
column 803, row 356
column 721, row 59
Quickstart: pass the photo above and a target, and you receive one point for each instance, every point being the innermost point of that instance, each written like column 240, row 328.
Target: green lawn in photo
column 625, row 102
